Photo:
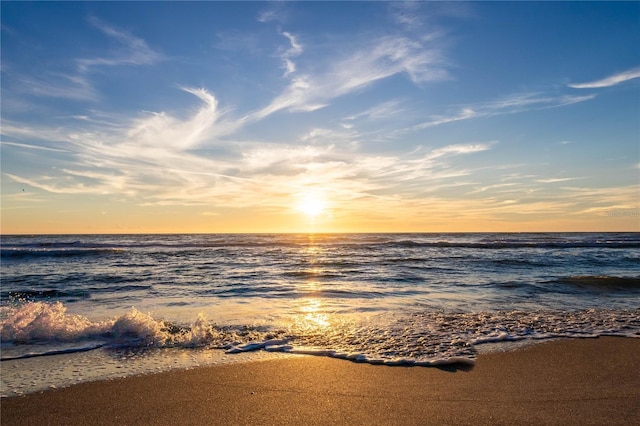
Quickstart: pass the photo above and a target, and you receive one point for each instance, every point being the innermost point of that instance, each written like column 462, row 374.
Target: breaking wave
column 430, row 338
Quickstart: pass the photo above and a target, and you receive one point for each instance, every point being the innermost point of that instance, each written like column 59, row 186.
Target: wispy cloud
column 380, row 111
column 406, row 13
column 133, row 51
column 161, row 131
column 76, row 83
column 376, row 60
column 156, row 159
column 459, row 149
column 275, row 12
column 556, row 180
column 436, row 120
column 30, row 146
column 294, row 50
column 491, row 187
column 609, row 81
column 51, row 184
column 514, row 104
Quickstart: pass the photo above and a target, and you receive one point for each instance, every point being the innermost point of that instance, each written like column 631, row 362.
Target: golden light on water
column 312, row 317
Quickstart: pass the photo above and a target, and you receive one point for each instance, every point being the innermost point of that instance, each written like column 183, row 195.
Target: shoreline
column 567, row 381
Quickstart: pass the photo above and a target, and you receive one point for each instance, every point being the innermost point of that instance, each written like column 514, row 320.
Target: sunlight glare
column 312, row 204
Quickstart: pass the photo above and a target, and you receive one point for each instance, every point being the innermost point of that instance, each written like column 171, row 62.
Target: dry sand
column 585, row 381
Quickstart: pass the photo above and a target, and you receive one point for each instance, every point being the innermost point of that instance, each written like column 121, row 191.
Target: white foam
column 37, row 333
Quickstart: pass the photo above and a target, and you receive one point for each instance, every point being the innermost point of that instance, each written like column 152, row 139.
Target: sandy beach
column 579, row 381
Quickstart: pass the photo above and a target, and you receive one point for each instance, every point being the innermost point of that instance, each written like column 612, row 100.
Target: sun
column 312, row 204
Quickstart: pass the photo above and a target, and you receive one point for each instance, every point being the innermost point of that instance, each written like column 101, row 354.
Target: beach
column 567, row 381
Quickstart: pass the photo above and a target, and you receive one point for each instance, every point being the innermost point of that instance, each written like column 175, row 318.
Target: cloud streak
column 30, row 146
column 295, row 50
column 511, row 105
column 133, row 51
column 77, row 84
column 612, row 80
column 377, row 60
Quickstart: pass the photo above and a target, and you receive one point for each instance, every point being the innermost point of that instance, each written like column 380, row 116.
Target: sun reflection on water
column 312, row 316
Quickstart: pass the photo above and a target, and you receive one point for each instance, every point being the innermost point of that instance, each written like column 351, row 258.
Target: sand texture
column 580, row 381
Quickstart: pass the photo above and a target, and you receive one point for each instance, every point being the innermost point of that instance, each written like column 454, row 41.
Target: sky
column 178, row 117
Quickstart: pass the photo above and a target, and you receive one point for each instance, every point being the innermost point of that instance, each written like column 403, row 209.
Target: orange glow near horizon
column 310, row 211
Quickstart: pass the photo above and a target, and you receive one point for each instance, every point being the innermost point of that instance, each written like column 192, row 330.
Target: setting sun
column 312, row 204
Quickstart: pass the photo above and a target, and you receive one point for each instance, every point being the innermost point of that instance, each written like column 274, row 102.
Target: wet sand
column 579, row 381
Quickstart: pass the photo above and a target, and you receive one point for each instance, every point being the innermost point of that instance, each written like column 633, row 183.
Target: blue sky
column 320, row 116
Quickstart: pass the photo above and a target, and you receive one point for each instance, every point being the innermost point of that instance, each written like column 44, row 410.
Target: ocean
column 75, row 308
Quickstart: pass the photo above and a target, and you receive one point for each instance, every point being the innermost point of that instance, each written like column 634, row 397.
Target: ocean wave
column 291, row 292
column 31, row 246
column 71, row 294
column 22, row 253
column 311, row 274
column 428, row 338
column 27, row 294
column 525, row 263
column 501, row 245
column 119, row 288
column 600, row 282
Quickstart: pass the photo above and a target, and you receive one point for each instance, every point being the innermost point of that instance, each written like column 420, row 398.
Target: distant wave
column 602, row 282
column 16, row 246
column 311, row 274
column 19, row 253
column 519, row 262
column 48, row 294
column 85, row 293
column 497, row 245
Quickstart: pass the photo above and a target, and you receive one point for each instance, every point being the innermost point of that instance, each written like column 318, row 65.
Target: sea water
column 86, row 307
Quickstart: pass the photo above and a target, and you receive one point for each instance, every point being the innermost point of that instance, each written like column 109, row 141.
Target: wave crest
column 414, row 339
column 35, row 321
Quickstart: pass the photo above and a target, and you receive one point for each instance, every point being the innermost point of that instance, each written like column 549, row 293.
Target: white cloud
column 381, row 111
column 134, row 51
column 437, row 120
column 406, row 13
column 555, row 180
column 374, row 61
column 30, row 146
column 509, row 105
column 275, row 12
column 490, row 187
column 59, row 85
column 295, row 50
column 460, row 149
column 267, row 16
column 154, row 160
column 609, row 81
column 162, row 131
